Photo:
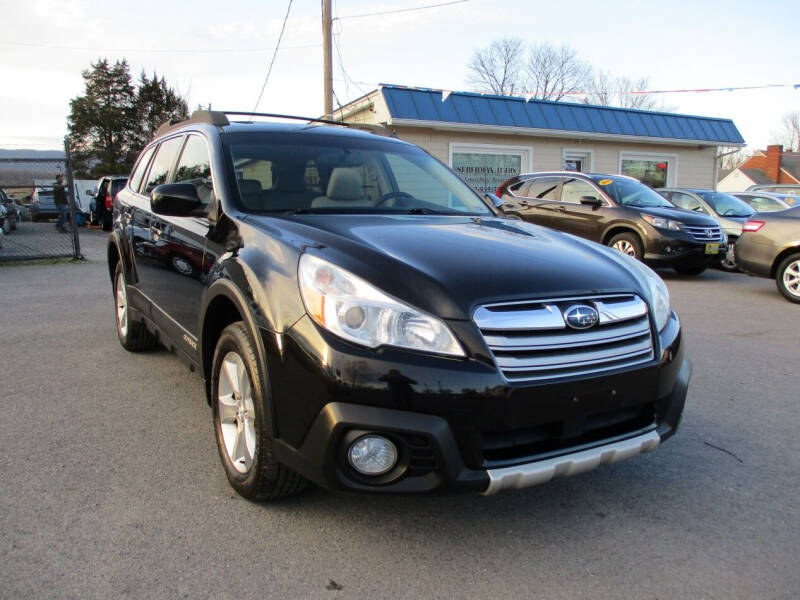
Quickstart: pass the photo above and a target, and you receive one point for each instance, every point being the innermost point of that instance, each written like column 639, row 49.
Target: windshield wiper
column 419, row 210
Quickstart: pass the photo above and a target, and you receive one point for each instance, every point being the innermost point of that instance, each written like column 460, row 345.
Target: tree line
column 509, row 66
column 115, row 117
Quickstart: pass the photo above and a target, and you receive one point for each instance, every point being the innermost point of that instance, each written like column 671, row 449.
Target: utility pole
column 326, row 60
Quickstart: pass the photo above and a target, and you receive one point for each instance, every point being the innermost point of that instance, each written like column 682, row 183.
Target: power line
column 401, row 10
column 156, row 50
column 275, row 54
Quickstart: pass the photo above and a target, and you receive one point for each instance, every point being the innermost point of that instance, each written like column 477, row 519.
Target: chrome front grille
column 531, row 341
column 704, row 234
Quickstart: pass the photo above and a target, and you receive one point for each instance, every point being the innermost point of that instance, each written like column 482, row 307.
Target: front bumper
column 680, row 250
column 446, row 420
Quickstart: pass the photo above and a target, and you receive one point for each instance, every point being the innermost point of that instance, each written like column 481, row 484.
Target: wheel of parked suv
column 242, row 420
column 689, row 270
column 181, row 265
column 627, row 243
column 133, row 335
column 787, row 277
column 107, row 221
column 729, row 262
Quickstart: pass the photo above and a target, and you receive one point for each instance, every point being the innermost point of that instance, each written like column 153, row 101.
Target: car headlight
column 657, row 291
column 662, row 223
column 357, row 311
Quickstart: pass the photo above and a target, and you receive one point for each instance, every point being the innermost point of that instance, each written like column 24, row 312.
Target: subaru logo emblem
column 581, row 316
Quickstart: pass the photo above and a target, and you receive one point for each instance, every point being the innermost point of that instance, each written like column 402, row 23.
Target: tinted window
column 543, row 188
column 162, row 163
column 117, row 185
column 139, row 170
column 194, row 167
column 574, row 189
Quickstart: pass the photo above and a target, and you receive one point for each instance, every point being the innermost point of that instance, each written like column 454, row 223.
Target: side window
column 687, row 202
column 162, row 163
column 140, row 168
column 574, row 189
column 544, row 188
column 194, row 167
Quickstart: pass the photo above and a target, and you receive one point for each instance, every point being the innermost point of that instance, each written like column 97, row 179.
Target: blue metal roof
column 422, row 104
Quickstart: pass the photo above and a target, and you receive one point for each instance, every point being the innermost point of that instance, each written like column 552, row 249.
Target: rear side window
column 162, row 163
column 543, row 188
column 141, row 167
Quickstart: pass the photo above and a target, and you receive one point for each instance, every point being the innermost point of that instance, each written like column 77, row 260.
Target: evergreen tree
column 101, row 120
column 156, row 103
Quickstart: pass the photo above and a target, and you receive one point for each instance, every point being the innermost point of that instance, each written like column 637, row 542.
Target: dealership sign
column 485, row 172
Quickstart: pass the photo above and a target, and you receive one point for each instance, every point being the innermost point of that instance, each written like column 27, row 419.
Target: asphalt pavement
column 111, row 487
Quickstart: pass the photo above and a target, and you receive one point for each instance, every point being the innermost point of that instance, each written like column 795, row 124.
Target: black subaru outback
column 364, row 320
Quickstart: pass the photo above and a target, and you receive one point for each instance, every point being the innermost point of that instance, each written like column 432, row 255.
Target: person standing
column 60, row 199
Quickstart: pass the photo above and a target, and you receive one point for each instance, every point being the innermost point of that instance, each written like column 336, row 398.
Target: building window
column 577, row 160
column 486, row 166
column 651, row 169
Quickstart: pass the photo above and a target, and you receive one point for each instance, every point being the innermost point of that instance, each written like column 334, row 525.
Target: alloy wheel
column 122, row 307
column 791, row 278
column 236, row 412
column 625, row 247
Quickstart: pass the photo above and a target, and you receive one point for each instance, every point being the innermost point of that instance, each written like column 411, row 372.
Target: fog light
column 372, row 455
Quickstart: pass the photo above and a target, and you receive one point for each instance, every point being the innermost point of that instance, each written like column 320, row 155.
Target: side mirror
column 90, row 193
column 174, row 199
column 591, row 201
column 495, row 201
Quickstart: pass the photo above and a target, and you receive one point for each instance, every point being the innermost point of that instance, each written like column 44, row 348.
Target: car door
column 584, row 220
column 536, row 200
column 177, row 245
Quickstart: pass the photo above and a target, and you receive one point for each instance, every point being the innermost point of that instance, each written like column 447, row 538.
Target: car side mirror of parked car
column 174, row 199
column 591, row 201
column 495, row 201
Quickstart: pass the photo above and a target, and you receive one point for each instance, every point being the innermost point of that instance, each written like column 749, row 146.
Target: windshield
column 286, row 172
column 726, row 205
column 630, row 192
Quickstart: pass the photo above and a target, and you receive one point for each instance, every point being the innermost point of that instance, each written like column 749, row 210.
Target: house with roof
column 487, row 138
column 770, row 166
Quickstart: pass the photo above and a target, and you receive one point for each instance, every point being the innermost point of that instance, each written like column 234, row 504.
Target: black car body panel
column 454, row 419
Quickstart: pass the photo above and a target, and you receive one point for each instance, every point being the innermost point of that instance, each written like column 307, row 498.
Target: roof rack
column 220, row 119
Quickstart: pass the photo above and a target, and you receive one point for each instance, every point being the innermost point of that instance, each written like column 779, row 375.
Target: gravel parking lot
column 110, row 482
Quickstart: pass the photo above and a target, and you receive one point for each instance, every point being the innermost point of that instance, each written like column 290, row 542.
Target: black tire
column 728, row 264
column 133, row 335
column 107, row 222
column 689, row 270
column 264, row 478
column 627, row 243
column 787, row 278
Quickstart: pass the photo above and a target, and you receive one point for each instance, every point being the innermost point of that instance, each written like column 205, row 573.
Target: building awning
column 423, row 107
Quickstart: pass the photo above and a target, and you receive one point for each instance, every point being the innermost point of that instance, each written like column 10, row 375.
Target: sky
column 219, row 54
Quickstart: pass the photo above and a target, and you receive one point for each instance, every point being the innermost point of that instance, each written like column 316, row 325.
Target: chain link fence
column 30, row 215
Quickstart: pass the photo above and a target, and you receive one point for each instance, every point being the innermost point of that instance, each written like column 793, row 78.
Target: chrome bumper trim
column 522, row 476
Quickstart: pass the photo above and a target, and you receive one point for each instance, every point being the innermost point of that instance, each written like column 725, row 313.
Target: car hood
column 689, row 217
column 448, row 265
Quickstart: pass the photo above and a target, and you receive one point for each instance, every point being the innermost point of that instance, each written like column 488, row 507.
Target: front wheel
column 689, row 270
column 787, row 278
column 627, row 243
column 242, row 420
column 729, row 262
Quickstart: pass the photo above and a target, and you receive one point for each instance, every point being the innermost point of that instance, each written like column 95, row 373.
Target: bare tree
column 730, row 158
column 498, row 68
column 789, row 134
column 555, row 73
column 624, row 92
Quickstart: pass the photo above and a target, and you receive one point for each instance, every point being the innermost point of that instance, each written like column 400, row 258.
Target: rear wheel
column 627, row 243
column 133, row 335
column 689, row 270
column 242, row 420
column 787, row 278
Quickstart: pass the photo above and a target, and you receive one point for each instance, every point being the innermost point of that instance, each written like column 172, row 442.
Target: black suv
column 620, row 212
column 364, row 320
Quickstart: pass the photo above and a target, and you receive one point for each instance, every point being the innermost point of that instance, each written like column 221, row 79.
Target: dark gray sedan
column 770, row 247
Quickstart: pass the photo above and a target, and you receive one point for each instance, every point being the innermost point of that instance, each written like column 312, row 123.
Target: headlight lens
column 656, row 289
column 357, row 311
column 662, row 223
